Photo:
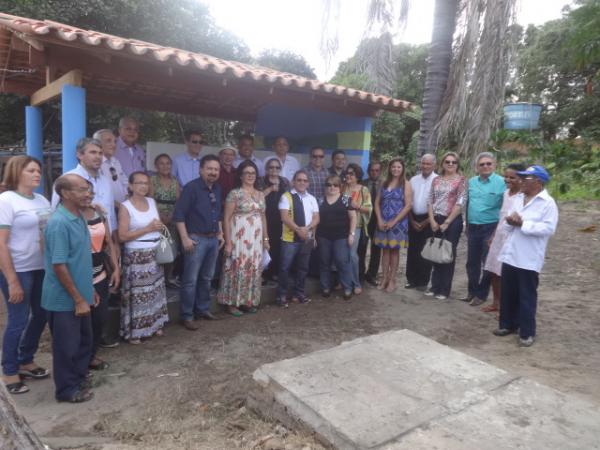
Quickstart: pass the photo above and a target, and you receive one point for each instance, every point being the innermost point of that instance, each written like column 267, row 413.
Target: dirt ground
column 187, row 390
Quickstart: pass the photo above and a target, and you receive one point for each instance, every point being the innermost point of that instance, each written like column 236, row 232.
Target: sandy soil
column 187, row 390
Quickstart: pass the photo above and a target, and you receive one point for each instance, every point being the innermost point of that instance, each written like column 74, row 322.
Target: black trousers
column 72, row 343
column 100, row 314
column 375, row 259
column 443, row 274
column 418, row 269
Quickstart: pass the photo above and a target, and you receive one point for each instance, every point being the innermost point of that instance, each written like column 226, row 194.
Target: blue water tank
column 522, row 116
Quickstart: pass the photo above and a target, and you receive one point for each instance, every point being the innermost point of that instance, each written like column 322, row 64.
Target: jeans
column 339, row 252
column 72, row 343
column 100, row 313
column 442, row 275
column 198, row 271
column 518, row 302
column 477, row 250
column 354, row 260
column 292, row 253
column 418, row 269
column 25, row 322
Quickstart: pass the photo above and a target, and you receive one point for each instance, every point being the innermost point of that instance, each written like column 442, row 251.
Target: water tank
column 522, row 116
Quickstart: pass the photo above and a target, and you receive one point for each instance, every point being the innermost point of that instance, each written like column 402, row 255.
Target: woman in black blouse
column 273, row 186
column 335, row 235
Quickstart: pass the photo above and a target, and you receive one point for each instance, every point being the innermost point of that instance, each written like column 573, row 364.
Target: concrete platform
column 400, row 390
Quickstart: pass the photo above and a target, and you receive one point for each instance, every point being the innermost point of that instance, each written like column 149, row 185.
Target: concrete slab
column 399, row 390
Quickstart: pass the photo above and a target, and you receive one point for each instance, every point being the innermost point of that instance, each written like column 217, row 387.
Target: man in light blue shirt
column 186, row 166
column 486, row 191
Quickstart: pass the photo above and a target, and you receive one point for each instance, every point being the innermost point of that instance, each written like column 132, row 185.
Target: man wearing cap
column 486, row 192
column 530, row 226
column 186, row 166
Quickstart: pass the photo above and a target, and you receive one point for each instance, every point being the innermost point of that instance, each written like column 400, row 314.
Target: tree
column 286, row 61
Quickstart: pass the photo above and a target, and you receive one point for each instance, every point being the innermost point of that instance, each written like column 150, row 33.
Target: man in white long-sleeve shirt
column 530, row 226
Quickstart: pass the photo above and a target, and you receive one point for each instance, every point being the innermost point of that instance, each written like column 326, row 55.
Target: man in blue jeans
column 300, row 216
column 198, row 217
column 485, row 195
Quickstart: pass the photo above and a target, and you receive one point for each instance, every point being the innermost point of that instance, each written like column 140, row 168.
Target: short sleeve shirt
column 485, row 199
column 67, row 241
column 25, row 217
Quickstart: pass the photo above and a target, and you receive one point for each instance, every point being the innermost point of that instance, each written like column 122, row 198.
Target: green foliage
column 286, row 61
column 585, row 38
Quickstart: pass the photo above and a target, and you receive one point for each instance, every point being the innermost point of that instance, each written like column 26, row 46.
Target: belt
column 481, row 225
column 203, row 235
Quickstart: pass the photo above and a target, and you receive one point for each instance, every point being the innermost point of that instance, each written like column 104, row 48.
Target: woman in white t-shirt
column 143, row 294
column 23, row 214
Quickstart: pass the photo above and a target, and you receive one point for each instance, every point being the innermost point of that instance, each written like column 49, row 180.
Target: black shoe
column 504, row 331
column 526, row 342
column 347, row 295
column 326, row 294
column 207, row 316
column 369, row 279
column 467, row 299
column 109, row 344
column 410, row 286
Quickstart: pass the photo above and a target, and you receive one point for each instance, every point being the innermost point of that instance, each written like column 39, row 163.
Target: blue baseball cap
column 536, row 171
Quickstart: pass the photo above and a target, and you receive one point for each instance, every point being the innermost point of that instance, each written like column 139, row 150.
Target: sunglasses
column 331, row 185
column 485, row 164
column 113, row 173
column 318, row 156
column 274, row 167
column 451, row 162
column 252, row 172
column 350, row 173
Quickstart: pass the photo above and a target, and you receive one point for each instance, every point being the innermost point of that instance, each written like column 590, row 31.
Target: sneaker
column 476, row 301
column 467, row 299
column 410, row 286
column 440, row 297
column 109, row 344
column 526, row 342
column 282, row 303
column 428, row 293
column 421, row 288
column 347, row 295
column 504, row 331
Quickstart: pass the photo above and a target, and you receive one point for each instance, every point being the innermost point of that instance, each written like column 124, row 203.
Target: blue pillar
column 73, row 123
column 33, row 138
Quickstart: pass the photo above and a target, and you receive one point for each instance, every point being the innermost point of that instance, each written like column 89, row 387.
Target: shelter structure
column 47, row 60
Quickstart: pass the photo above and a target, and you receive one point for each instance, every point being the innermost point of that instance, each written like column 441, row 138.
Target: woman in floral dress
column 245, row 229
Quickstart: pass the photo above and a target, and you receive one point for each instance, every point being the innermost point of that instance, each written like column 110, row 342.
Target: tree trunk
column 438, row 69
column 15, row 432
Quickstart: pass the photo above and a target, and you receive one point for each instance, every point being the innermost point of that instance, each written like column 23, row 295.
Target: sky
column 296, row 25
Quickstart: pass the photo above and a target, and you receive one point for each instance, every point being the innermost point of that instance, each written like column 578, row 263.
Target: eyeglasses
column 89, row 190
column 484, row 164
column 113, row 173
column 252, row 172
column 141, row 183
column 350, row 173
column 451, row 162
column 196, row 141
column 274, row 167
column 331, row 185
column 302, row 180
column 318, row 156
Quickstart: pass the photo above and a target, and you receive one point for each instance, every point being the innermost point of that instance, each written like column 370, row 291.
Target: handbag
column 438, row 250
column 165, row 251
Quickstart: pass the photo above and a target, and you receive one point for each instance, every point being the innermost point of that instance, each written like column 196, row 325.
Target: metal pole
column 33, row 138
column 73, row 123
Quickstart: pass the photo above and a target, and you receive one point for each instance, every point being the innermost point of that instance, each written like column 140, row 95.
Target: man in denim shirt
column 198, row 217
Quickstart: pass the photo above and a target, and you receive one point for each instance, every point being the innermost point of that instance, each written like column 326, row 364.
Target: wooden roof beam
column 53, row 89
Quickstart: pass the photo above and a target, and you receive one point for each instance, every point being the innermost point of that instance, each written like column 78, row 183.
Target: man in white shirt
column 531, row 224
column 89, row 154
column 111, row 167
column 246, row 151
column 418, row 269
column 300, row 216
column 186, row 166
column 289, row 164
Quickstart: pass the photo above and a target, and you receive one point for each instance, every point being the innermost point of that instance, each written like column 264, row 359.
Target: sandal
column 78, row 397
column 102, row 365
column 235, row 312
column 357, row 290
column 302, row 300
column 490, row 308
column 249, row 309
column 38, row 373
column 159, row 333
column 17, row 388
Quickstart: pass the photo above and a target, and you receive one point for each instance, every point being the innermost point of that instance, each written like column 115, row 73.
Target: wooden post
column 15, row 432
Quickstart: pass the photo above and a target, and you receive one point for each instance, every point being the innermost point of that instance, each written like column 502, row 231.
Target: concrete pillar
column 73, row 123
column 305, row 128
column 34, row 142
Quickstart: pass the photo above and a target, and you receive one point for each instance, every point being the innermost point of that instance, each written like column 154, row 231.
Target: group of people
column 244, row 222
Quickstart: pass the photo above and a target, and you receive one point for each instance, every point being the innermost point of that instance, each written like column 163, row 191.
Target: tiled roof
column 31, row 30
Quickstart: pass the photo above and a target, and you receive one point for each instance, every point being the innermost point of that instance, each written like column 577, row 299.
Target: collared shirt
column 260, row 165
column 316, row 182
column 132, row 159
column 309, row 204
column 525, row 246
column 67, row 241
column 199, row 207
column 186, row 168
column 340, row 174
column 485, row 199
column 103, row 193
column 226, row 181
column 421, row 187
column 111, row 169
column 288, row 168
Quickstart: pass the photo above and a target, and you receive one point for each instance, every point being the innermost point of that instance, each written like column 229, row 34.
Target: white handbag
column 438, row 250
column 165, row 251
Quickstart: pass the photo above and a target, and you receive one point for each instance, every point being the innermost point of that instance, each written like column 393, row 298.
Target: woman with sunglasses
column 273, row 185
column 245, row 230
column 23, row 214
column 165, row 190
column 392, row 205
column 446, row 199
column 336, row 236
column 360, row 201
column 143, row 295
